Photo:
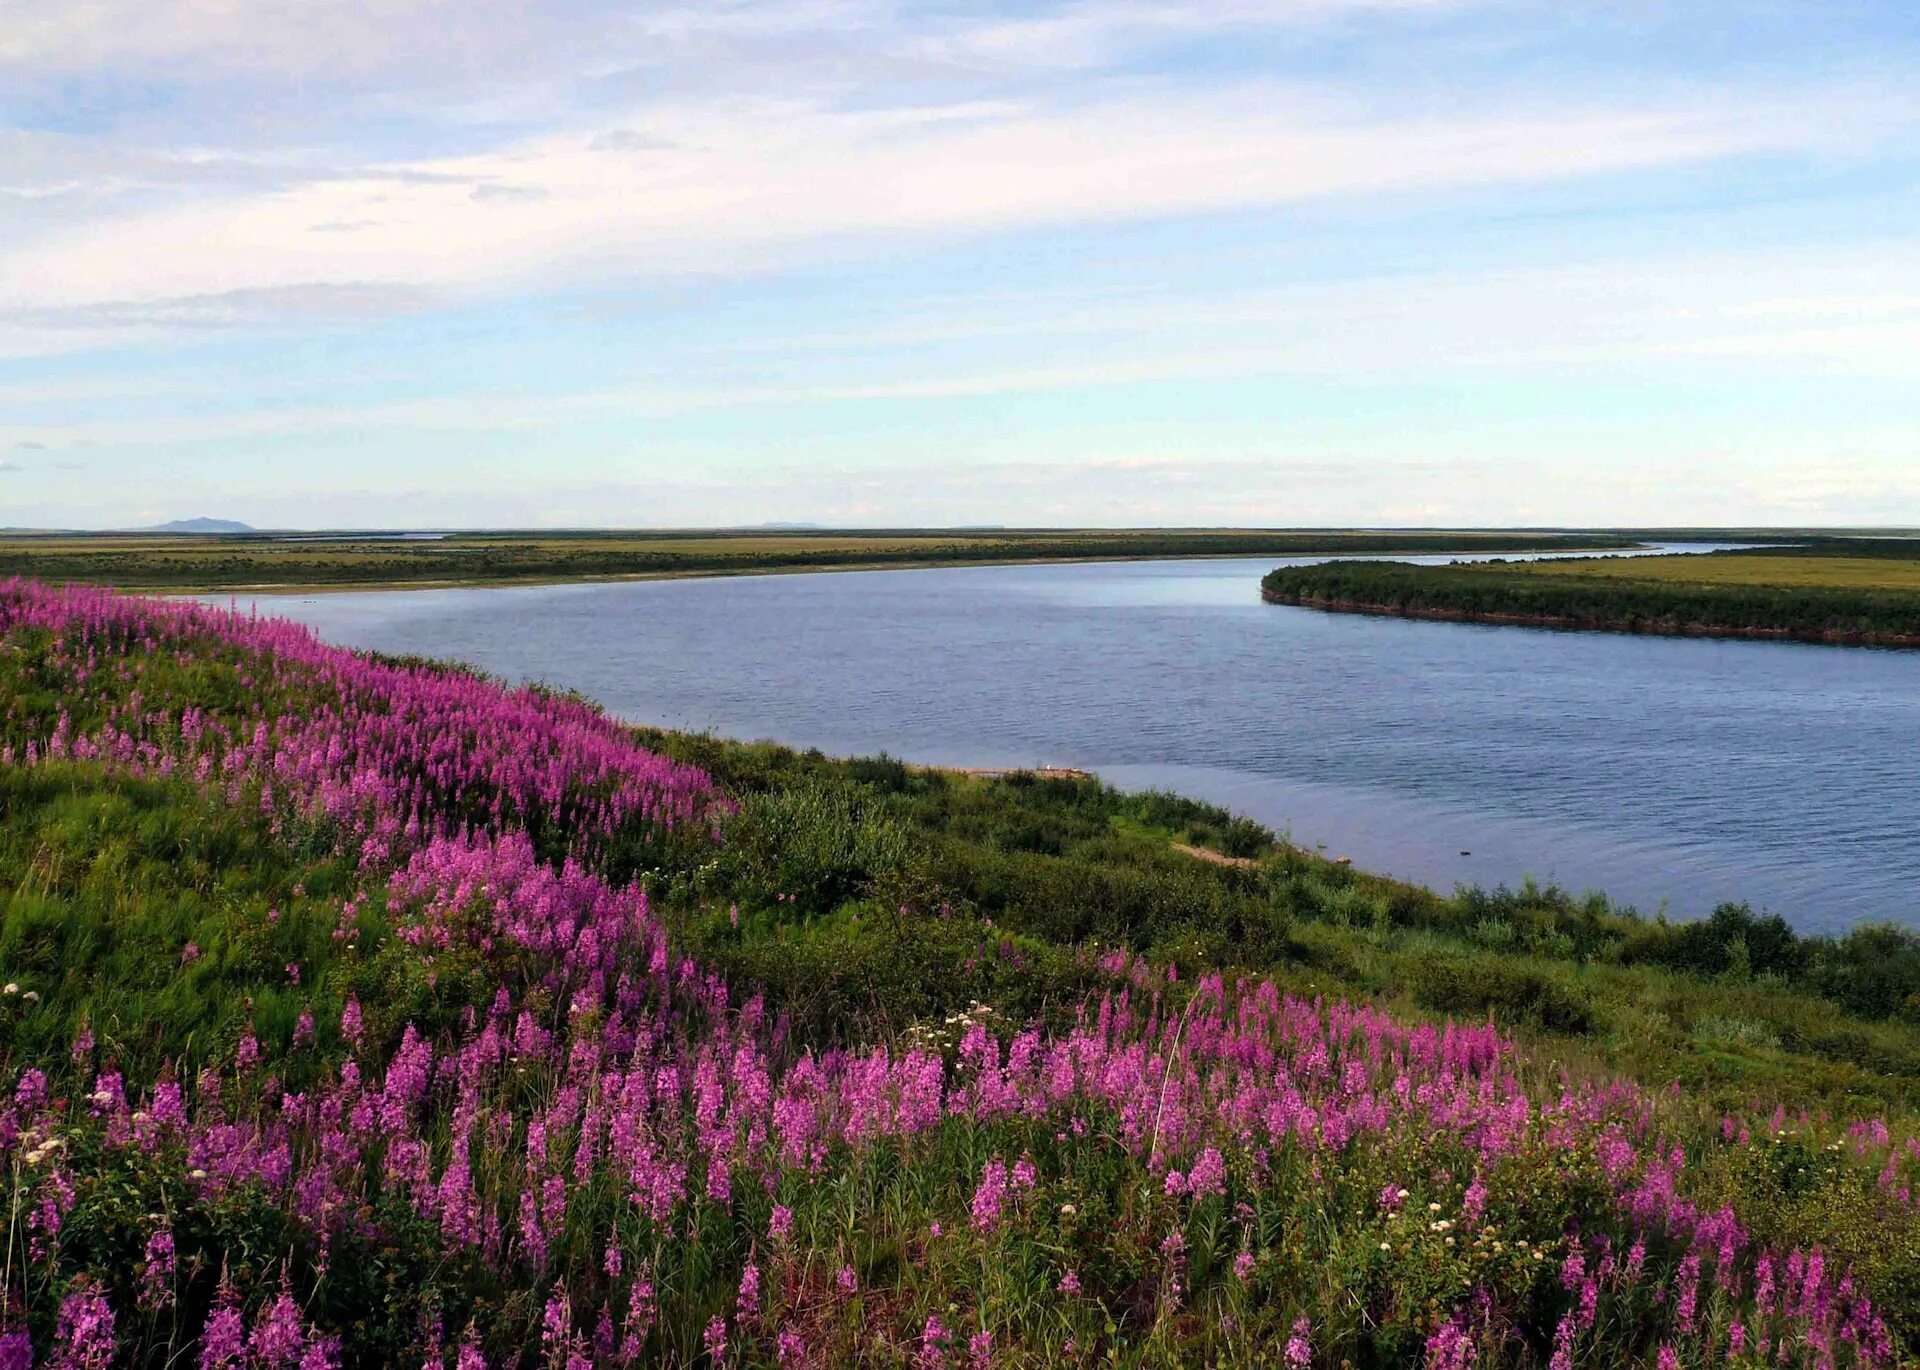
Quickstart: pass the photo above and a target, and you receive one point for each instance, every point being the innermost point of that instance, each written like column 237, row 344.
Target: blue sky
column 1284, row 262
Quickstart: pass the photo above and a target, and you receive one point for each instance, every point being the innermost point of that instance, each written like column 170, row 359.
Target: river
column 1671, row 773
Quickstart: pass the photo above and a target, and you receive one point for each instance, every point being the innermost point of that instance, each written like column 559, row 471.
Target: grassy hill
column 362, row 1011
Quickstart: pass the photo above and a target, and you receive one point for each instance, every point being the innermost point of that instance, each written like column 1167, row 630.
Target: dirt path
column 1001, row 772
column 1217, row 858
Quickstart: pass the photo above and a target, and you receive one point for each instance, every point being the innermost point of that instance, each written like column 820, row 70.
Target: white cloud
column 1088, row 35
column 748, row 184
column 1834, row 311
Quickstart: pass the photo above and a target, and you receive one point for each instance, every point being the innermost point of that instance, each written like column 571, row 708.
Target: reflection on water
column 1662, row 770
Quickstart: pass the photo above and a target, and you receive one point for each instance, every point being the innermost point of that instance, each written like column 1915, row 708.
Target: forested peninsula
column 1868, row 598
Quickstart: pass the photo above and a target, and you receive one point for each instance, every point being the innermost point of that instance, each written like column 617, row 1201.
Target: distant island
column 201, row 525
column 1862, row 592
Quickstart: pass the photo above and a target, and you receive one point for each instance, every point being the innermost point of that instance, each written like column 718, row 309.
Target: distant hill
column 199, row 526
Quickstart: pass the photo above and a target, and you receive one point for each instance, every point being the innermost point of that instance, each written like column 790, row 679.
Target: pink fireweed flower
column 846, row 1281
column 987, row 1198
column 1473, row 1204
column 641, row 1314
column 1209, row 1174
column 156, row 1276
column 1636, row 1261
column 1563, row 1344
column 278, row 1338
column 83, row 1333
column 223, row 1342
column 1173, row 1250
column 933, row 1344
column 980, row 1350
column 1299, row 1350
column 1450, row 1348
column 1689, row 1291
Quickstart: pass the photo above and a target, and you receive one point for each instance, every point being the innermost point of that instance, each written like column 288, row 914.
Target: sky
column 558, row 263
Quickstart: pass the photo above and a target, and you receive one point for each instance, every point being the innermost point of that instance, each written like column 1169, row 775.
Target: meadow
column 263, row 561
column 1861, row 592
column 1806, row 569
column 365, row 1011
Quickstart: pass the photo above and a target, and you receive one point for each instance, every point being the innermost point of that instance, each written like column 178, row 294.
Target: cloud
column 749, row 185
column 628, row 140
column 308, row 303
column 1088, row 35
column 492, row 192
column 31, row 446
column 290, row 37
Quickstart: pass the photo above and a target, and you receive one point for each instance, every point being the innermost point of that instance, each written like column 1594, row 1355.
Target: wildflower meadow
column 369, row 1012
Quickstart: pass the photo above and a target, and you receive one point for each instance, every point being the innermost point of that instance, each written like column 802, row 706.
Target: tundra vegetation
column 1853, row 591
column 341, row 561
column 365, row 1011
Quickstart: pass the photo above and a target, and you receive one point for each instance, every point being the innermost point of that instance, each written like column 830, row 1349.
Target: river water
column 1668, row 772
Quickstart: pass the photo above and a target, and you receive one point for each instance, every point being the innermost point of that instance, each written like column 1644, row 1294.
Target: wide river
column 1667, row 772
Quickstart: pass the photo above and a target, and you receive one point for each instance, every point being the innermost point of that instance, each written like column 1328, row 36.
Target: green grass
column 104, row 880
column 1047, row 865
column 1810, row 571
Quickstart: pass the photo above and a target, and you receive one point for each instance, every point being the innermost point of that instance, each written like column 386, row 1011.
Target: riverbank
column 1569, row 623
column 1068, row 859
column 1817, row 596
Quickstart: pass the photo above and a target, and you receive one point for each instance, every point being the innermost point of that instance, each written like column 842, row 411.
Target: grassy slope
column 102, row 878
column 872, row 902
column 1735, row 1005
column 188, row 562
column 1863, row 593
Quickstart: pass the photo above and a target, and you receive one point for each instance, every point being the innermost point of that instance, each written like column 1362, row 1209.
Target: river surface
column 1667, row 772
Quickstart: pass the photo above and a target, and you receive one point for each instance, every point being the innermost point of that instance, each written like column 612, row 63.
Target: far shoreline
column 273, row 589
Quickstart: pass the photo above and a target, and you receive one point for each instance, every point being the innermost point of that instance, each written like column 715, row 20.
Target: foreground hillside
column 1857, row 592
column 365, row 1012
